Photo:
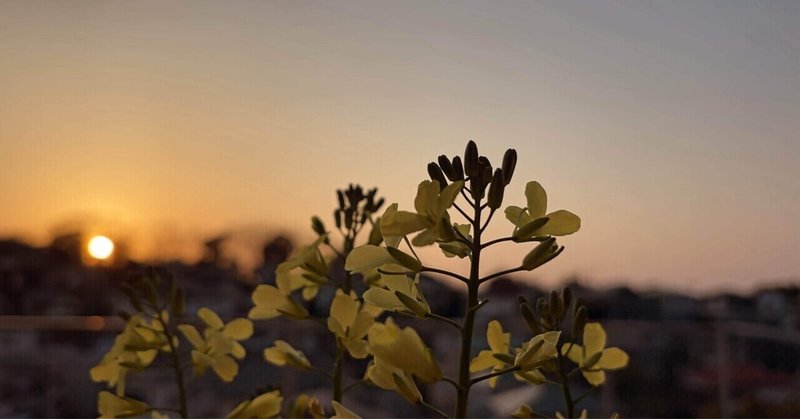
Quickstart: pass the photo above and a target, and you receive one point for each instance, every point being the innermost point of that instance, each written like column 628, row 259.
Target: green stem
column 564, row 378
column 176, row 366
column 468, row 326
column 477, row 380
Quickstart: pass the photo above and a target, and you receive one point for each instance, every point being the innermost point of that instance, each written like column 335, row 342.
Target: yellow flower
column 558, row 223
column 402, row 349
column 350, row 320
column 391, row 378
column 537, row 350
column 315, row 270
column 112, row 406
column 284, row 354
column 401, row 294
column 594, row 358
column 219, row 345
column 271, row 302
column 267, row 405
column 133, row 349
column 499, row 343
column 431, row 206
column 342, row 412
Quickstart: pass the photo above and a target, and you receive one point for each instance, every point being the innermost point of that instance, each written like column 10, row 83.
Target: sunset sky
column 671, row 128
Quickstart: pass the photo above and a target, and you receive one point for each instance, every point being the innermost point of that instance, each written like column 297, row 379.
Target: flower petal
column 562, row 223
column 239, row 329
column 210, row 318
column 612, row 359
column 594, row 339
column 537, row 199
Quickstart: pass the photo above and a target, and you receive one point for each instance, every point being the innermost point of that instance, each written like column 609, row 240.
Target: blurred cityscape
column 717, row 356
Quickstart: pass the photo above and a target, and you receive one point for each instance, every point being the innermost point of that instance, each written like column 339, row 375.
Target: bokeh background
column 197, row 134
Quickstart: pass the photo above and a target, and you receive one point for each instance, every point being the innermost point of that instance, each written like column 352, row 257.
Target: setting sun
column 100, row 247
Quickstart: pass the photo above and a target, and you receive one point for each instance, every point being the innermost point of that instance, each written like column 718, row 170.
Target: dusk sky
column 671, row 128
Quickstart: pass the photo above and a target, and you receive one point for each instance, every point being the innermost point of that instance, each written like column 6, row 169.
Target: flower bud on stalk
column 509, row 163
column 496, row 190
column 436, row 174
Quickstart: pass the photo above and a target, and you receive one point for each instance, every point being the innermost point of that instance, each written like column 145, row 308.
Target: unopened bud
column 436, row 174
column 509, row 163
column 458, row 168
column 471, row 160
column 496, row 190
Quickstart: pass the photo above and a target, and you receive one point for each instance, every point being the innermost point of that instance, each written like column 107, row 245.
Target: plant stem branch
column 445, row 320
column 443, row 272
column 495, row 241
column 464, row 214
column 501, row 273
column 176, row 366
column 493, row 374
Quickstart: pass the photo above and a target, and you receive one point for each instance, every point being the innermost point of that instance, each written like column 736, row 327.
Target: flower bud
column 413, row 305
column 471, row 159
column 579, row 322
column 496, row 190
column 404, row 259
column 528, row 230
column 317, row 225
column 436, row 174
column 530, row 318
column 447, row 168
column 566, row 297
column 509, row 163
column 458, row 169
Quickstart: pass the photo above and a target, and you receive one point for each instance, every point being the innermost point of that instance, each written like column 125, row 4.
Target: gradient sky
column 671, row 128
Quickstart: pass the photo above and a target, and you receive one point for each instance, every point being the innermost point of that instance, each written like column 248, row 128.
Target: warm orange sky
column 671, row 128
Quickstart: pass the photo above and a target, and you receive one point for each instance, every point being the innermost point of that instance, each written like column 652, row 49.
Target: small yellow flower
column 267, row 405
column 402, row 349
column 499, row 343
column 559, row 223
column 537, row 350
column 113, row 406
column 284, row 354
column 431, row 206
column 594, row 358
column 401, row 293
column 133, row 349
column 271, row 302
column 310, row 260
column 350, row 320
column 391, row 378
column 219, row 345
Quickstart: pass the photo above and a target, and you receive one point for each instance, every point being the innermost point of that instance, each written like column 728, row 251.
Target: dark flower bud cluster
column 483, row 180
column 551, row 312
